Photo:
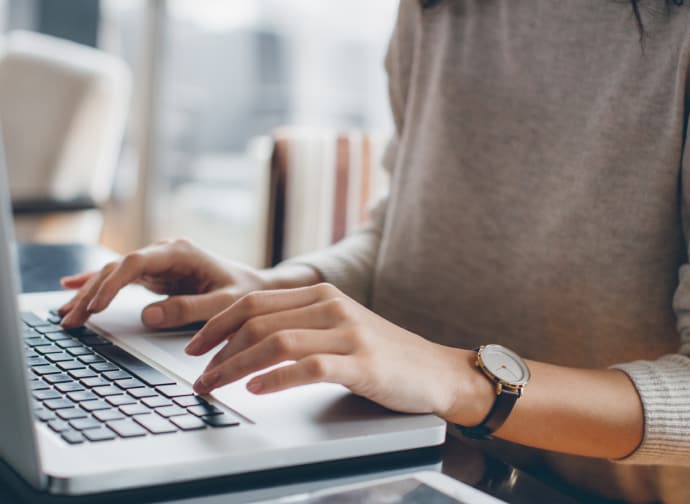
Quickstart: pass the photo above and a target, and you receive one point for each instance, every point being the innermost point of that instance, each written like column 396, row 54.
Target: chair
column 63, row 108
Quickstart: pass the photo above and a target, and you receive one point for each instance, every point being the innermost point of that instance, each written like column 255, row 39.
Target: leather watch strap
column 498, row 414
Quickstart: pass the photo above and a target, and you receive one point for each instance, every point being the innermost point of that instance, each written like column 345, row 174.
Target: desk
column 43, row 265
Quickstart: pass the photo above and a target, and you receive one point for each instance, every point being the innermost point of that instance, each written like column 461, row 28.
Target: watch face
column 505, row 364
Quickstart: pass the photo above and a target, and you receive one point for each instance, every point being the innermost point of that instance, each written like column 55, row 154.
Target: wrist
column 289, row 276
column 472, row 394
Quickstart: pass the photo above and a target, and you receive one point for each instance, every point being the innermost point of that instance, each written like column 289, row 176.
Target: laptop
column 109, row 406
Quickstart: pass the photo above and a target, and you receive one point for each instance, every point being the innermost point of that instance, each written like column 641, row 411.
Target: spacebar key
column 139, row 368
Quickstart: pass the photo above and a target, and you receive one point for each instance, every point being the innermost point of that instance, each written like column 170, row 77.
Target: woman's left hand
column 333, row 339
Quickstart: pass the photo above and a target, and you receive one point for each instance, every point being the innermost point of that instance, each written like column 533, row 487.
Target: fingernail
column 91, row 306
column 153, row 316
column 255, row 386
column 206, row 382
column 192, row 347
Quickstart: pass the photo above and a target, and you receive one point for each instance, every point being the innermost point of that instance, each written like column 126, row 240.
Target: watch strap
column 498, row 414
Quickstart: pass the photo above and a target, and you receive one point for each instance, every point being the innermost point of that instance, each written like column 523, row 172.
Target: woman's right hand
column 199, row 284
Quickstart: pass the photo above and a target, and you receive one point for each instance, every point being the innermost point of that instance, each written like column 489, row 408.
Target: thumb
column 182, row 310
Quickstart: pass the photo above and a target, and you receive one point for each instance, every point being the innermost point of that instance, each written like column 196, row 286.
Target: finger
column 147, row 261
column 279, row 347
column 253, row 305
column 315, row 316
column 313, row 369
column 182, row 310
column 76, row 281
column 78, row 313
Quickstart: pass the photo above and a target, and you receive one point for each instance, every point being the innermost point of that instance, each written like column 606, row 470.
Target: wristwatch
column 510, row 374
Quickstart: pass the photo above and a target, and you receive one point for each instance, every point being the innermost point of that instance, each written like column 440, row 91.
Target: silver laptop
column 110, row 406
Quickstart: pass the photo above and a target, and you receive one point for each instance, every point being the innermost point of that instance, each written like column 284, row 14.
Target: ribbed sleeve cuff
column 664, row 389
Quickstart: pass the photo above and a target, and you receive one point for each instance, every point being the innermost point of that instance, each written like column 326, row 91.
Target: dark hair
column 638, row 17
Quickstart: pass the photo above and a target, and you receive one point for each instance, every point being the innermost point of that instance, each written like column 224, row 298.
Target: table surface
column 43, row 265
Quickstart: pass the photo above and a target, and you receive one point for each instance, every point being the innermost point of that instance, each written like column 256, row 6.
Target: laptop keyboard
column 87, row 389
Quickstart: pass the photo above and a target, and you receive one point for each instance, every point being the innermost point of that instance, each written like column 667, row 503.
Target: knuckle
column 282, row 343
column 253, row 329
column 109, row 268
column 179, row 307
column 181, row 243
column 326, row 290
column 356, row 337
column 316, row 367
column 132, row 259
column 250, row 302
column 338, row 308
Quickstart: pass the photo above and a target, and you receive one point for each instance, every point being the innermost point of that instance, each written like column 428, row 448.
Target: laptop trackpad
column 323, row 404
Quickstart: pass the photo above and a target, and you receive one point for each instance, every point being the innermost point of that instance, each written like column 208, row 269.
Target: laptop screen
column 17, row 436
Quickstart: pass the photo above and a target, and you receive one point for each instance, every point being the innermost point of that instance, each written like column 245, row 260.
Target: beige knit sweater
column 540, row 200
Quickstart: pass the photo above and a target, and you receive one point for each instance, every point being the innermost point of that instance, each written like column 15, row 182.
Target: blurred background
column 164, row 118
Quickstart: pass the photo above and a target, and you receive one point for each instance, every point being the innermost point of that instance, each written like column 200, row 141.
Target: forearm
column 595, row 413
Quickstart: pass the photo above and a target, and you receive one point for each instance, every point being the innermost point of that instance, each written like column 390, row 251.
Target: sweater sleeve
column 349, row 264
column 664, row 384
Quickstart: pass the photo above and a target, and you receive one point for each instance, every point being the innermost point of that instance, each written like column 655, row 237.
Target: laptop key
column 38, row 385
column 156, row 402
column 55, row 334
column 70, row 365
column 68, row 343
column 32, row 320
column 42, row 395
column 104, row 366
column 45, row 370
column 59, row 357
column 55, row 404
column 36, row 360
column 204, row 410
column 175, row 390
column 117, row 375
column 120, row 400
column 134, row 409
column 44, row 415
column 57, row 378
column 98, row 404
column 186, row 401
column 155, row 424
column 77, row 351
column 188, row 422
column 126, row 428
column 108, row 390
column 68, row 387
column 71, row 413
column 137, row 367
column 82, row 424
column 47, row 349
column 82, row 373
column 220, row 421
column 73, row 437
column 100, row 434
column 140, row 393
column 130, row 383
column 90, row 359
column 58, row 425
column 96, row 381
column 36, row 341
column 108, row 415
column 169, row 411
column 82, row 395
